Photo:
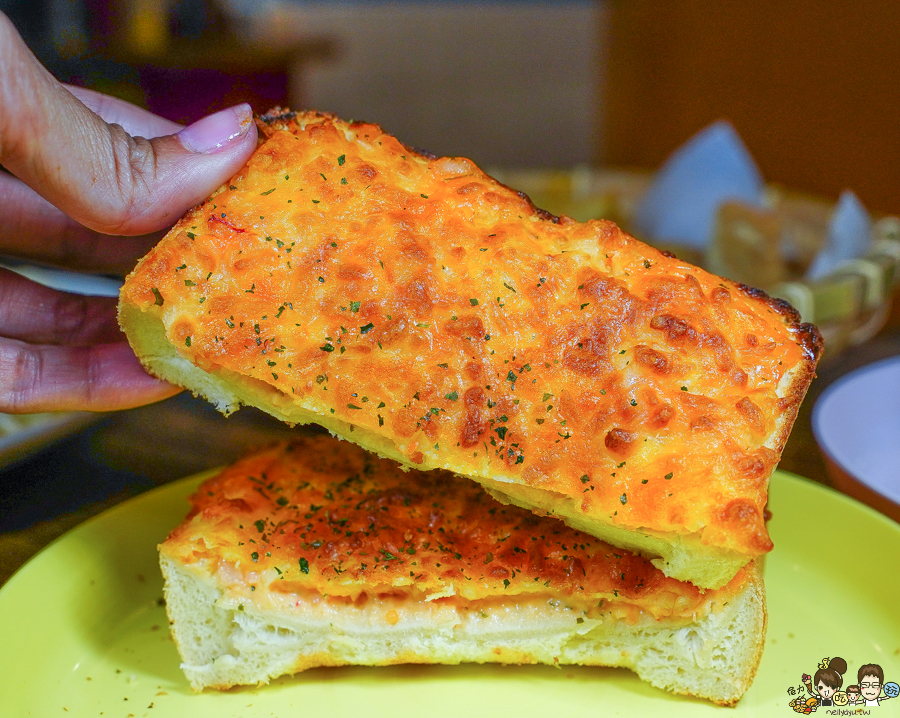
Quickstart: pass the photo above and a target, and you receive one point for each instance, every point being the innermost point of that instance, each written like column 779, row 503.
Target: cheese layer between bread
column 419, row 308
column 316, row 553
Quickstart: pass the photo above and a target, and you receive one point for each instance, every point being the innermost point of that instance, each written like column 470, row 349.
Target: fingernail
column 217, row 130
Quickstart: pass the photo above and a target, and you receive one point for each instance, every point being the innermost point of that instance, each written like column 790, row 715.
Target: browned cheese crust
column 419, row 307
column 321, row 517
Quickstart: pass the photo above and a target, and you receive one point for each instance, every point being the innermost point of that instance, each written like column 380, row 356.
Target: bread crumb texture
column 323, row 515
column 317, row 553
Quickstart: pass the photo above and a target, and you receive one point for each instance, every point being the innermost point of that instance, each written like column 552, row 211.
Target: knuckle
column 134, row 171
column 71, row 315
column 21, row 367
column 40, row 378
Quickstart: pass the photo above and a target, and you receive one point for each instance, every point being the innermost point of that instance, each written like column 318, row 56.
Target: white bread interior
column 226, row 639
column 681, row 556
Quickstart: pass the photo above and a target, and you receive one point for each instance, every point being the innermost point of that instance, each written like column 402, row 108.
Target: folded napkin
column 714, row 166
column 849, row 236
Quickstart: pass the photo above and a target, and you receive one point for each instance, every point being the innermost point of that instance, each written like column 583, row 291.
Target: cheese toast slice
column 317, row 553
column 419, row 308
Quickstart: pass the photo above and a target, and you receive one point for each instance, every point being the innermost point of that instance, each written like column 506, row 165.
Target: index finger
column 34, row 229
column 99, row 377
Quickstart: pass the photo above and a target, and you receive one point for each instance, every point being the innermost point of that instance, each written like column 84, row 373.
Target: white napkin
column 849, row 235
column 712, row 167
column 90, row 285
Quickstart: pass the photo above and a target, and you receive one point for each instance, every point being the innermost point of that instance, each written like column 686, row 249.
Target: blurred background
column 811, row 87
column 511, row 83
column 579, row 102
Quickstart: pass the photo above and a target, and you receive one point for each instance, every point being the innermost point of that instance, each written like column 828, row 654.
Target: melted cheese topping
column 424, row 303
column 324, row 525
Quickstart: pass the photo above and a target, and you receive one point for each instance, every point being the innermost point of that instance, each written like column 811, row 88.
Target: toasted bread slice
column 426, row 312
column 317, row 553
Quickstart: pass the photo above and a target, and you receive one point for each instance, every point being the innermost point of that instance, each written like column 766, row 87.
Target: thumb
column 97, row 173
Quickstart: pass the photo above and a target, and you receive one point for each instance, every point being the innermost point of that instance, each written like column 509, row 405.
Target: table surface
column 126, row 453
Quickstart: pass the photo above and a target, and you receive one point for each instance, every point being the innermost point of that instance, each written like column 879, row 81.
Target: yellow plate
column 83, row 631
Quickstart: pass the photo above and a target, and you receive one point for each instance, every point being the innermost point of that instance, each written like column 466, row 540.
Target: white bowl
column 856, row 422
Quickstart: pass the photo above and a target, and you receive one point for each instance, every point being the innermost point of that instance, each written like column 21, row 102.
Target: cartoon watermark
column 824, row 690
column 871, row 682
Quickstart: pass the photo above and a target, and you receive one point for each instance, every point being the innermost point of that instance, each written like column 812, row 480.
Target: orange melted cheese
column 319, row 517
column 420, row 300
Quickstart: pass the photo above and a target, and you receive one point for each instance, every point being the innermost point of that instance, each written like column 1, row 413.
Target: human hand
column 81, row 173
